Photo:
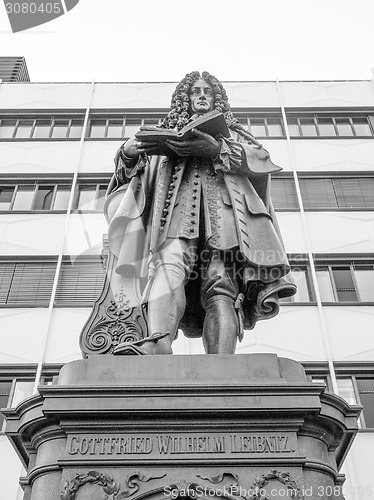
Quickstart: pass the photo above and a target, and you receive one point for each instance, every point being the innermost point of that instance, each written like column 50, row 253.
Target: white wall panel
column 333, row 154
column 360, row 478
column 132, row 95
column 292, row 232
column 39, row 157
column 10, row 471
column 278, row 150
column 158, row 95
column 63, row 337
column 44, row 95
column 98, row 156
column 282, row 335
column 285, row 336
column 31, row 234
column 22, row 333
column 342, row 232
column 328, row 93
column 252, row 94
column 85, row 234
column 351, row 330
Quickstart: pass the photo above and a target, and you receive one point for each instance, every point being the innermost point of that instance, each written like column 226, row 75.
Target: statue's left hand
column 201, row 145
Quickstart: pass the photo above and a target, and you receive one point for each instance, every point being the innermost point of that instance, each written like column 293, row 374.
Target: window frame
column 304, row 176
column 343, row 370
column 70, row 116
column 86, row 181
column 339, row 260
column 13, row 373
column 60, row 183
column 334, row 114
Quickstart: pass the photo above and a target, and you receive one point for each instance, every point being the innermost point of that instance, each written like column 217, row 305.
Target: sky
column 162, row 40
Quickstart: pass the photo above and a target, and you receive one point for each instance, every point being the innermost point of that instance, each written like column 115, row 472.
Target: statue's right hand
column 132, row 148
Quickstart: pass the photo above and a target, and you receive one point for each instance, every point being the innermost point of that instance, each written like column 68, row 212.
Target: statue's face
column 201, row 97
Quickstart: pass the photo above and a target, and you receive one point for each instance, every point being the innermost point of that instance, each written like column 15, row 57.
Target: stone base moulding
column 245, row 426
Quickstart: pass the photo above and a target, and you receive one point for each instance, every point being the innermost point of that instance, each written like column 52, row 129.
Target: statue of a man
column 196, row 228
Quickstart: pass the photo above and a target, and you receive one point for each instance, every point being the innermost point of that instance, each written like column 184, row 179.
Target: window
column 90, row 196
column 80, row 282
column 117, row 126
column 337, row 192
column 261, row 126
column 359, row 389
column 41, row 127
column 16, row 384
column 27, row 284
column 346, row 282
column 303, row 281
column 355, row 383
column 5, row 388
column 283, row 193
column 34, row 195
column 322, row 125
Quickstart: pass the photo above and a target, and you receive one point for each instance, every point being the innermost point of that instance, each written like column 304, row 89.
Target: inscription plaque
column 157, row 446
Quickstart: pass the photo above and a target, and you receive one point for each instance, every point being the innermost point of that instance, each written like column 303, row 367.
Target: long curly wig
column 178, row 115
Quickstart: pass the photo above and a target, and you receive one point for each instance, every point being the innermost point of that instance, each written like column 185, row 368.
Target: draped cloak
column 159, row 197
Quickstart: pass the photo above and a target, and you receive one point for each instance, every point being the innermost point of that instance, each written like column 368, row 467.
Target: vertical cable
column 304, row 224
column 66, row 228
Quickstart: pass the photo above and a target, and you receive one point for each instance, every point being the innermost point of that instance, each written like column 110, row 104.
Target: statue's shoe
column 148, row 345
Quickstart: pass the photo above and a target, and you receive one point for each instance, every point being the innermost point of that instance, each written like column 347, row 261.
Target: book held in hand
column 212, row 123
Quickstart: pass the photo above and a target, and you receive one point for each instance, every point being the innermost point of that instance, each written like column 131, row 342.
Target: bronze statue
column 196, row 229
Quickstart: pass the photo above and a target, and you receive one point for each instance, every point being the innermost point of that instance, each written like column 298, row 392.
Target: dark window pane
column 258, row 128
column 42, row 129
column 275, row 128
column 60, row 129
column 344, row 284
column 7, row 128
column 76, row 129
column 308, row 127
column 361, row 126
column 344, row 127
column 326, row 127
column 43, row 198
column 366, row 391
column 318, row 193
column 283, row 193
column 6, row 195
column 156, row 121
column 24, row 197
column 355, row 193
column 24, row 129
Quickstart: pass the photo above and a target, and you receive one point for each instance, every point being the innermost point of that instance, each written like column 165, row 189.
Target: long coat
column 164, row 197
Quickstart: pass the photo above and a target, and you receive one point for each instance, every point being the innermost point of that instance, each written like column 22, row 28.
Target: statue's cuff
column 229, row 156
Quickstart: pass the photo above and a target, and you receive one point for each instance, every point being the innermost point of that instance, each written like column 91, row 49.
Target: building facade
column 57, row 143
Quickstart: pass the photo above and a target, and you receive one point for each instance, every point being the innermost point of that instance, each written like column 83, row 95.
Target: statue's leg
column 219, row 292
column 167, row 299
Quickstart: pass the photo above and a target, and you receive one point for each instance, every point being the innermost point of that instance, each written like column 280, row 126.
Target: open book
column 212, row 123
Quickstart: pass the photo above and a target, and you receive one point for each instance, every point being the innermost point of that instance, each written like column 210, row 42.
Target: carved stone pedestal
column 139, row 427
